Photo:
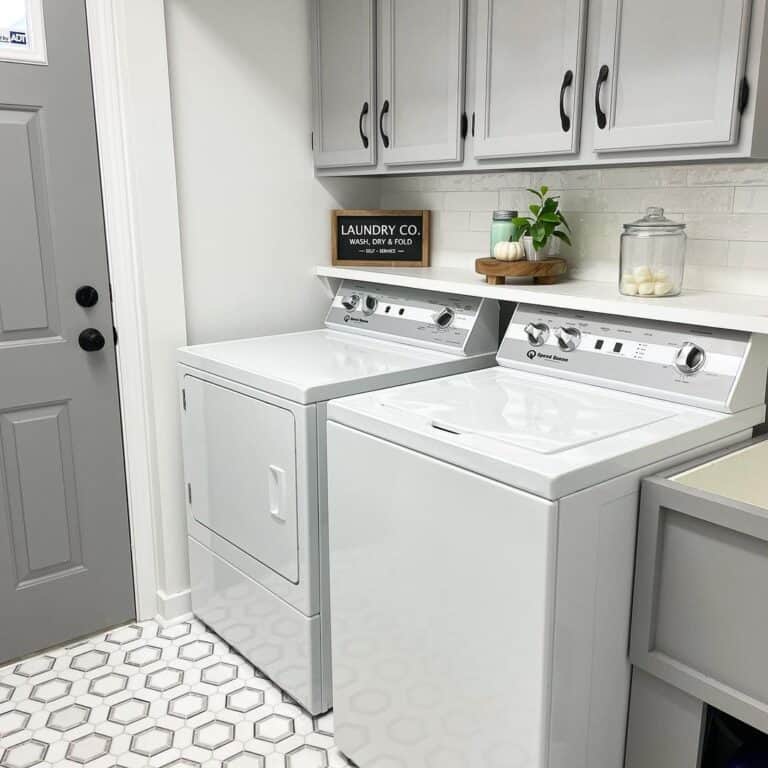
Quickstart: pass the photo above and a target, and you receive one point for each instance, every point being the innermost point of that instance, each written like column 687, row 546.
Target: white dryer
column 481, row 593
column 253, row 420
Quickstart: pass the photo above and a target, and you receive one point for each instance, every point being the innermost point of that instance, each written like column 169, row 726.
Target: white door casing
column 133, row 122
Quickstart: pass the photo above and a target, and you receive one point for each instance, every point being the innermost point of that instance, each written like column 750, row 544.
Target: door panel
column 242, row 472
column 27, row 290
column 422, row 80
column 674, row 70
column 65, row 562
column 344, row 53
column 517, row 114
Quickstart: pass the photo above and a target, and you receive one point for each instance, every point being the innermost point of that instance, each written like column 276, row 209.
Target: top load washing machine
column 253, row 420
column 481, row 594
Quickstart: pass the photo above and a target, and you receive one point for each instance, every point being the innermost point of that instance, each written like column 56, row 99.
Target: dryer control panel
column 715, row 368
column 449, row 322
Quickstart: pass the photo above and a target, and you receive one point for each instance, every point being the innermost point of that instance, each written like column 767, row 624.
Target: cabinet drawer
column 700, row 613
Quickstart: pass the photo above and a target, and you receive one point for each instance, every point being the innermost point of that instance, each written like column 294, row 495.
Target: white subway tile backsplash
column 751, row 200
column 725, row 207
column 471, row 201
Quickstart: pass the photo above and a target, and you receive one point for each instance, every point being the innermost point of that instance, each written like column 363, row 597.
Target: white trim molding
column 133, row 119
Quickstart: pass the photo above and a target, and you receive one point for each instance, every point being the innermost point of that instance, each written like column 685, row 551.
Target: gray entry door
column 65, row 565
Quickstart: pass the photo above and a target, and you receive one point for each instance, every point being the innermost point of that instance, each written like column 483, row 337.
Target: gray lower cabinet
column 344, row 59
column 517, row 114
column 669, row 73
column 421, row 97
column 700, row 608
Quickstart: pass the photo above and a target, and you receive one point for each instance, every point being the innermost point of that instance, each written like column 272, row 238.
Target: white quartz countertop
column 707, row 308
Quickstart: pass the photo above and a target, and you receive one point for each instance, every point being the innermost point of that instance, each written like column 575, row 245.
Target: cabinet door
column 421, row 101
column 669, row 73
column 529, row 77
column 344, row 53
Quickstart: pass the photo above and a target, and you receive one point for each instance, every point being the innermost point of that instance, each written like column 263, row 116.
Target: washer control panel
column 675, row 362
column 450, row 322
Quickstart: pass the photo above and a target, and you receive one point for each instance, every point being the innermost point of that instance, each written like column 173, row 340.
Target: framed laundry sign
column 22, row 31
column 380, row 238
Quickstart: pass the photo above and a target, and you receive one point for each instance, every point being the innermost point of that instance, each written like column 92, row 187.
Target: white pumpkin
column 509, row 251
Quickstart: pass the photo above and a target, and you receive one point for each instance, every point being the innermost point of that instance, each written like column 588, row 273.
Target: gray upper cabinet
column 669, row 73
column 421, row 93
column 344, row 53
column 528, row 78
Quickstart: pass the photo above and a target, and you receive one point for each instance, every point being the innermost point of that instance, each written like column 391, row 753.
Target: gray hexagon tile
column 152, row 741
column 88, row 748
column 87, row 661
column 153, row 696
column 34, row 667
column 67, row 718
column 25, row 754
column 128, row 711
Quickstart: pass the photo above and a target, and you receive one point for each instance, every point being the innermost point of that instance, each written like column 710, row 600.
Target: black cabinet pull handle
column 601, row 78
column 384, row 110
column 565, row 121
column 363, row 113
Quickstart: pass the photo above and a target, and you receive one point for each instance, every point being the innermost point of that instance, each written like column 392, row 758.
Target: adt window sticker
column 22, row 32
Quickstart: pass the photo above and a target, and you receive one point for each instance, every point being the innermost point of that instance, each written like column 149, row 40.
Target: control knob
column 350, row 302
column 444, row 317
column 369, row 304
column 537, row 333
column 690, row 358
column 568, row 338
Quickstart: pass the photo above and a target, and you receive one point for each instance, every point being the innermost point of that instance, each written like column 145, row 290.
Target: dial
column 690, row 358
column 568, row 338
column 537, row 333
column 369, row 304
column 350, row 302
column 444, row 317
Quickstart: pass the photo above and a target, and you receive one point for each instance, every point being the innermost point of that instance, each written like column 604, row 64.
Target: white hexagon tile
column 172, row 696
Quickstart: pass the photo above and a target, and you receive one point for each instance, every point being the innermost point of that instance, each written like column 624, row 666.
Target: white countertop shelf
column 707, row 308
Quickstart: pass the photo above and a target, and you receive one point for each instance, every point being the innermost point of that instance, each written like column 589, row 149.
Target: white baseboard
column 175, row 606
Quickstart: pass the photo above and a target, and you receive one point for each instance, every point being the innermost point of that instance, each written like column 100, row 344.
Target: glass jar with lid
column 652, row 256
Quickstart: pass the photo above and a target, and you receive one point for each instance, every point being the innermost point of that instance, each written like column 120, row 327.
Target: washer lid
column 313, row 366
column 539, row 415
column 543, row 435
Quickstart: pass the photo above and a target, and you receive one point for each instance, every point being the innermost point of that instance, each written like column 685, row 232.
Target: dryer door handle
column 277, row 496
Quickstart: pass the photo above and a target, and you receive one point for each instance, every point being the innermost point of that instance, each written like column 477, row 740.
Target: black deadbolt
column 86, row 296
column 91, row 340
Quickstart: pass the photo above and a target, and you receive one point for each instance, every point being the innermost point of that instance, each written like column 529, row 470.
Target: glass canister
column 652, row 256
column 503, row 228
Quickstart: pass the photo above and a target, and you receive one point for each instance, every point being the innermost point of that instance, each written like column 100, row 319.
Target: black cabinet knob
column 86, row 296
column 91, row 340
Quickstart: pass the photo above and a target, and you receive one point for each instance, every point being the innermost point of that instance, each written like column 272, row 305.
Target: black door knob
column 91, row 340
column 86, row 296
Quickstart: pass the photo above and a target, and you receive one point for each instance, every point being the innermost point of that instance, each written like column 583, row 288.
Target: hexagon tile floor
column 149, row 695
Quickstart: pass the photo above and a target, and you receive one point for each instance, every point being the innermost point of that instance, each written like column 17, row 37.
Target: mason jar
column 652, row 256
column 503, row 228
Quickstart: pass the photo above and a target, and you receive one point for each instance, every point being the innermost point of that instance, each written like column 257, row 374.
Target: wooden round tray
column 543, row 272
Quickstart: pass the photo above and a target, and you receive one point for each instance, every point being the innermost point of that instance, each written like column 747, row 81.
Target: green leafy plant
column 547, row 220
